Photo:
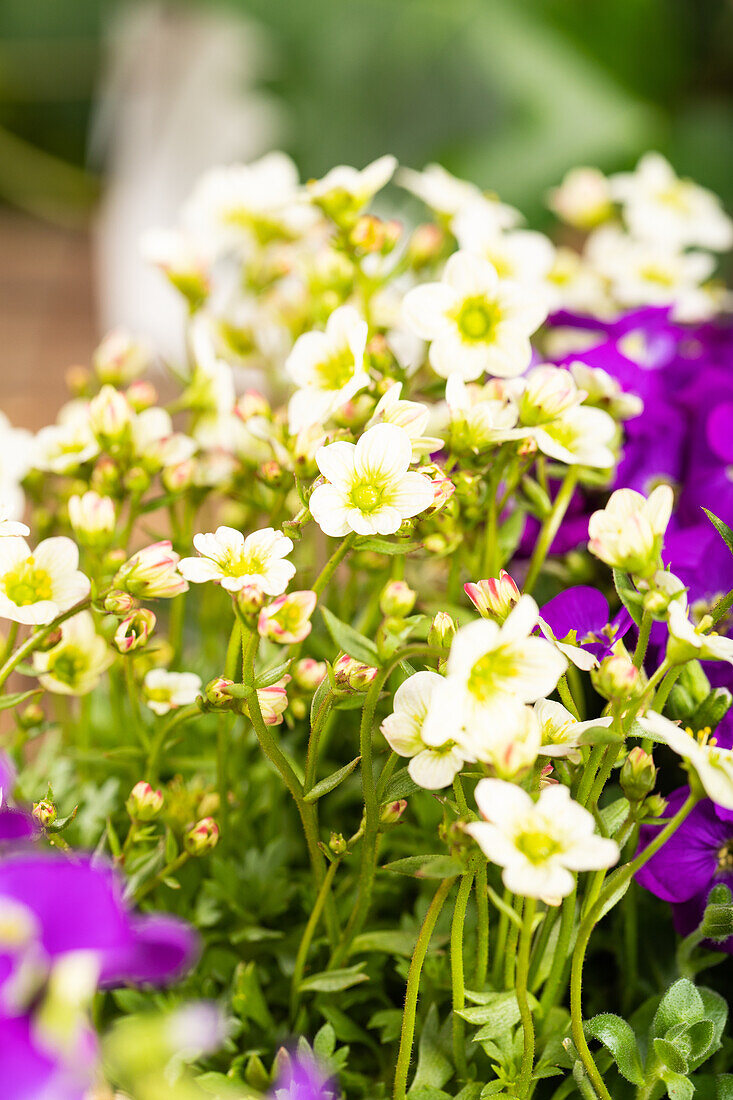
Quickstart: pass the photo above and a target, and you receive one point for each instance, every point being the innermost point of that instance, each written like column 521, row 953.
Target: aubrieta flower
column 76, row 663
column 370, row 488
column 433, row 763
column 302, row 1080
column 164, row 691
column 328, row 368
column 660, row 206
column 37, row 586
column 152, row 573
column 236, row 562
column 560, row 731
column 476, row 323
column 712, row 763
column 627, row 534
column 578, row 621
column 287, row 620
column 540, row 845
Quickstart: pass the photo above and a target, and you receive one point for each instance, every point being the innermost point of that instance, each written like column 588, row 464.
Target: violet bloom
column 694, row 859
column 580, row 616
column 65, row 926
column 15, row 824
column 303, row 1081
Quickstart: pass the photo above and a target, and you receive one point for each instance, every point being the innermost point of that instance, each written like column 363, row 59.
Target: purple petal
column 687, row 864
column 161, row 949
column 29, row 1072
column 16, row 825
column 582, row 609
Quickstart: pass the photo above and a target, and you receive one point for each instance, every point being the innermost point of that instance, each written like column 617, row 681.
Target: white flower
column 540, row 845
column 583, row 199
column 490, row 669
column 481, row 416
column 520, row 255
column 572, row 283
column 68, row 444
column 434, row 763
column 578, row 437
column 328, row 368
column 660, row 206
column 17, row 448
column 37, row 586
column 713, row 765
column 560, row 730
column 352, row 188
column 477, row 324
column 603, row 391
column 509, row 743
column 236, row 562
column 92, row 516
column 687, row 641
column 164, row 690
column 447, row 194
column 75, row 664
column 11, row 527
column 413, row 416
column 627, row 534
column 370, row 488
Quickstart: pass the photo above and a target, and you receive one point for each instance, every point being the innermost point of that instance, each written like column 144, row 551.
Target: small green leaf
column 614, row 815
column 384, row 546
column 681, row 1004
column 722, row 528
column 630, row 598
column 350, row 640
column 427, row 866
column 619, row 1039
column 331, row 781
column 679, row 1087
column 332, row 981
column 400, row 786
column 171, row 847
column 14, row 700
column 272, row 675
column 670, row 1056
column 324, row 1042
column 391, row 941
column 600, row 735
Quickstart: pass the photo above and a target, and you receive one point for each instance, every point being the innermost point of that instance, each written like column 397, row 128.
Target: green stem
column 333, row 563
column 457, row 973
column 510, row 957
column 589, row 774
column 665, row 688
column 308, row 932
column 554, row 978
column 525, row 943
column 156, row 745
column 567, row 697
column 501, row 935
column 133, row 696
column 550, row 527
column 482, row 928
column 32, row 643
column 413, row 988
column 643, row 642
column 9, row 642
column 323, row 702
column 169, row 869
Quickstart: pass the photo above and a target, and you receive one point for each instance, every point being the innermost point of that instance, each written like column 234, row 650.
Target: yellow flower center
column 27, row 584
column 725, row 856
column 242, row 565
column 69, row 666
column 658, row 275
column 334, row 372
column 476, row 319
column 367, row 497
column 492, row 673
column 537, row 846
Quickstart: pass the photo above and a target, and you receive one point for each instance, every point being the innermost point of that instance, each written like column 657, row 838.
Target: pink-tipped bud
column 353, row 675
column 287, row 620
column 250, row 404
column 217, row 693
column 92, row 518
column 397, row 599
column 110, row 415
column 638, row 774
column 250, row 599
column 426, row 244
column 443, row 487
column 117, row 602
column 152, row 572
column 45, row 812
column 442, row 631
column 391, row 812
column 617, row 678
column 308, row 673
column 135, row 630
column 141, row 395
column 273, row 702
column 493, row 598
column 120, row 358
column 179, row 477
column 201, row 837
column 144, row 802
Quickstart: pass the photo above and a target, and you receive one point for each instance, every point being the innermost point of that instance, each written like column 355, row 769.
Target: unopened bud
column 92, row 518
column 617, row 678
column 45, row 812
column 638, row 774
column 77, row 380
column 337, row 844
column 655, row 805
column 144, row 802
column 391, row 812
column 110, row 415
column 50, row 641
column 250, row 404
column 141, row 395
column 250, row 599
column 31, row 716
column 442, row 631
column 397, row 599
column 118, row 602
column 134, row 631
column 217, row 693
column 352, row 674
column 271, row 473
column 426, row 244
column 443, row 487
column 308, row 673
column 494, row 598
column 120, row 358
column 136, row 480
column 717, row 921
column 106, row 476
column 201, row 837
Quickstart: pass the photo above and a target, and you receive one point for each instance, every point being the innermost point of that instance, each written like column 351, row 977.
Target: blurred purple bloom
column 583, row 611
column 14, row 824
column 303, row 1080
column 694, row 859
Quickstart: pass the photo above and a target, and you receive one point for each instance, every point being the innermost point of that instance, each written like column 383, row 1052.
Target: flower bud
column 717, row 921
column 617, row 678
column 391, row 812
column 443, row 487
column 627, row 534
column 250, row 404
column 50, row 641
column 352, row 674
column 141, row 395
column 655, row 805
column 337, row 844
column 118, row 602
column 397, row 599
column 273, row 702
column 134, row 631
column 549, row 391
column 250, row 599
column 92, row 518
column 144, row 802
column 494, row 598
column 426, row 244
column 152, row 572
column 308, row 673
column 442, row 631
column 110, row 415
column 106, row 476
column 31, row 716
column 217, row 693
column 179, row 477
column 45, row 812
column 638, row 774
column 120, row 358
column 371, row 234
column 201, row 837
column 77, row 380
column 287, row 620
column 271, row 474
column 136, row 481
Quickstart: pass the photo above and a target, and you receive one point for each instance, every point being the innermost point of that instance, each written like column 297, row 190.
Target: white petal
column 424, row 309
column 329, row 510
column 433, row 770
column 470, row 275
column 383, row 453
column 501, row 802
column 336, row 463
column 412, row 495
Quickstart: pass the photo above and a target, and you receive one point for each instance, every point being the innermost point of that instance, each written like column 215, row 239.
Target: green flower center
column 366, row 497
column 69, row 666
column 537, row 846
column 476, row 318
column 242, row 565
column 492, row 673
column 27, row 584
column 334, row 372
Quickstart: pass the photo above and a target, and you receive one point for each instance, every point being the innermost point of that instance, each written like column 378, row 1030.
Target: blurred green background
column 508, row 92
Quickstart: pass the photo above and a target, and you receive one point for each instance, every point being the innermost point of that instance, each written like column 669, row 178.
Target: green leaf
column 324, row 1042
column 396, row 941
column 600, row 735
column 434, row 1068
column 350, row 640
column 722, row 607
column 427, row 866
column 248, row 1000
column 171, row 847
column 681, row 1004
column 614, row 815
column 331, row 781
column 14, row 700
column 670, row 1056
column 630, row 598
column 400, row 786
column 510, row 533
column 678, row 1086
column 724, row 1086
column 384, row 546
column 333, row 981
column 619, row 1039
column 498, row 1014
column 722, row 528
column 272, row 675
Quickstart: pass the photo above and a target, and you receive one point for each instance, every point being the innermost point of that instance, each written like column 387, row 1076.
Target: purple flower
column 303, row 1080
column 694, row 859
column 62, row 912
column 581, row 615
column 14, row 824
